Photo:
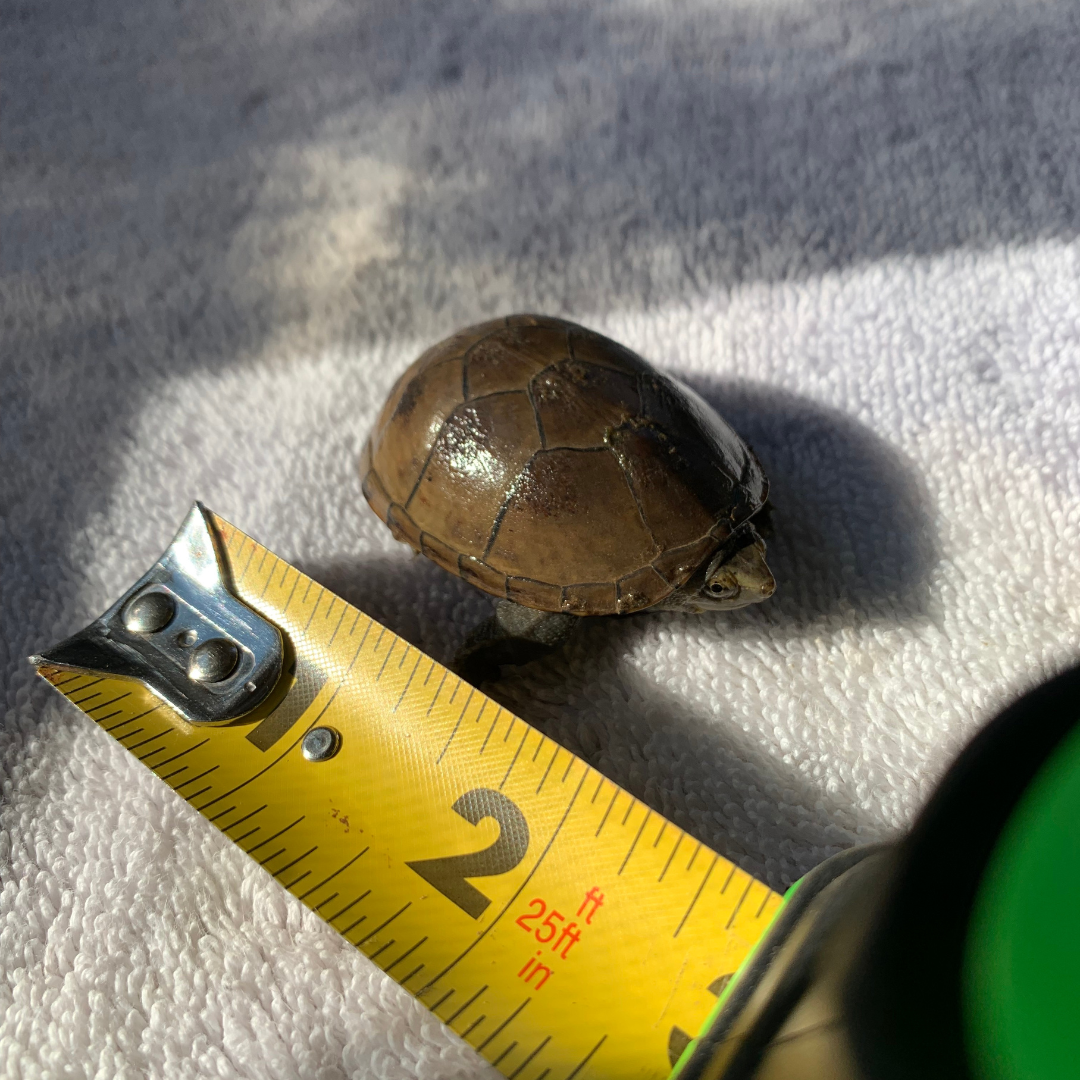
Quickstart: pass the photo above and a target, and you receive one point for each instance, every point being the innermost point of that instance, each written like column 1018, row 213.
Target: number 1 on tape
column 556, row 923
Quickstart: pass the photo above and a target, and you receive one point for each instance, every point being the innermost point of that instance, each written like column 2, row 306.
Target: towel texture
column 227, row 228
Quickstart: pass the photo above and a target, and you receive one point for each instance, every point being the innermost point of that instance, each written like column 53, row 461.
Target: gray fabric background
column 228, row 227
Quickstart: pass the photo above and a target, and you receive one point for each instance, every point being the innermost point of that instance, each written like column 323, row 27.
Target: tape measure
column 556, row 923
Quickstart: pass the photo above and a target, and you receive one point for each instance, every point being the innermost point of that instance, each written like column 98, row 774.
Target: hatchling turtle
column 563, row 474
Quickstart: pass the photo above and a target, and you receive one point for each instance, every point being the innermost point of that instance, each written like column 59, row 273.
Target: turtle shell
column 550, row 465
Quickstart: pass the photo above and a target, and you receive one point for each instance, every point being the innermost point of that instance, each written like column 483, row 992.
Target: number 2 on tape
column 559, row 925
column 449, row 873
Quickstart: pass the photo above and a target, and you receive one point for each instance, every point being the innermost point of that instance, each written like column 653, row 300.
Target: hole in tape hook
column 213, row 661
column 150, row 612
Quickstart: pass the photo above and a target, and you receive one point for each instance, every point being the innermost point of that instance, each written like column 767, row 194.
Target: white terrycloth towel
column 851, row 225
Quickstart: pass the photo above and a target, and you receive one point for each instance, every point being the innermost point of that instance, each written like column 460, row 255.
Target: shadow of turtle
column 416, row 599
column 707, row 776
column 852, row 541
column 852, row 536
column 701, row 772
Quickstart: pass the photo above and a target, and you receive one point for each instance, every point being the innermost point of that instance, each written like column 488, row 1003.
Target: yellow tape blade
column 559, row 925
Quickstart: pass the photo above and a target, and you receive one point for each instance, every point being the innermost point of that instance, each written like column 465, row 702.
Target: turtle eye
column 719, row 591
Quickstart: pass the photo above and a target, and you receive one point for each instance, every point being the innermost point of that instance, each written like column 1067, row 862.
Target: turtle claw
column 513, row 635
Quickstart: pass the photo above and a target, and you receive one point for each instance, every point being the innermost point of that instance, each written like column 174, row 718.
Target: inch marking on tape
column 559, row 925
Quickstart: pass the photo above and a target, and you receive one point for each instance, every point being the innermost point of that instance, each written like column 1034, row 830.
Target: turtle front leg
column 513, row 635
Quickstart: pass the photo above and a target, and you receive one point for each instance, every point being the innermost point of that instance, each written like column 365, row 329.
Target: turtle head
column 737, row 578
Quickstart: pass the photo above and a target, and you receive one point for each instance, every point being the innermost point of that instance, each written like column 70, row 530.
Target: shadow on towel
column 562, row 157
column 699, row 771
column 637, row 157
column 852, row 534
column 706, row 776
column 852, row 541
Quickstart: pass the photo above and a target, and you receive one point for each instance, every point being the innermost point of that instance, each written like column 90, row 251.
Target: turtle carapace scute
column 559, row 471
